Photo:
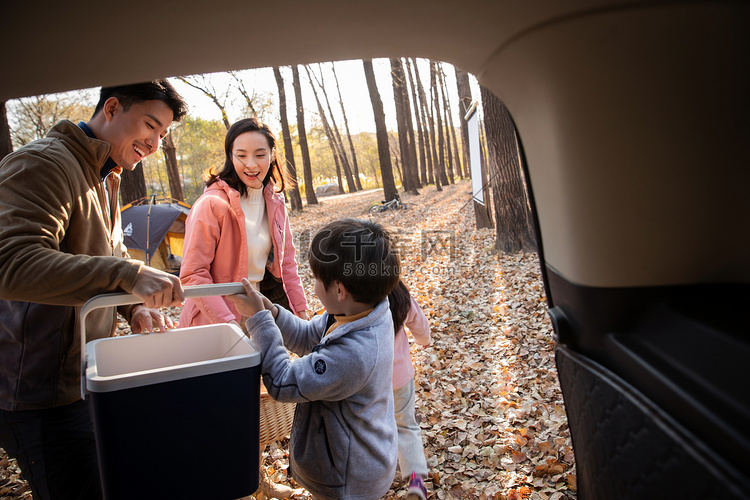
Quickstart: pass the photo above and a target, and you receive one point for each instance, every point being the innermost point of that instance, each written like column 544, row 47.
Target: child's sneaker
column 416, row 489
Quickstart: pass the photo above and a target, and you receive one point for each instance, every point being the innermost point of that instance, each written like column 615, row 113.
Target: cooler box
column 176, row 414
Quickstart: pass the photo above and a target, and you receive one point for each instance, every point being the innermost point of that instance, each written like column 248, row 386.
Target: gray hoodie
column 344, row 440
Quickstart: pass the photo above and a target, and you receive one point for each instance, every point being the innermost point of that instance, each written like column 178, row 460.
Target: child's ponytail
column 400, row 302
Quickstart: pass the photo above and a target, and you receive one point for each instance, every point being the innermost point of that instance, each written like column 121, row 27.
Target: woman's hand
column 144, row 320
column 249, row 303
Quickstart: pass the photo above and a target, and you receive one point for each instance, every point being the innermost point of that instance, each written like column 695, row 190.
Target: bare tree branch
column 201, row 83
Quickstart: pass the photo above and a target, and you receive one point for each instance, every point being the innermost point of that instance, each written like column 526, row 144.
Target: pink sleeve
column 290, row 276
column 202, row 233
column 417, row 324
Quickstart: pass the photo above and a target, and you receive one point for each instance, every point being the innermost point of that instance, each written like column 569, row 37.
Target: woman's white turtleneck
column 258, row 234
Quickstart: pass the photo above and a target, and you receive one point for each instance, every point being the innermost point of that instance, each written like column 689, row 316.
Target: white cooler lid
column 118, row 363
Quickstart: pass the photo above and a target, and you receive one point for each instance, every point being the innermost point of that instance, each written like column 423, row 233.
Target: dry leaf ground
column 488, row 400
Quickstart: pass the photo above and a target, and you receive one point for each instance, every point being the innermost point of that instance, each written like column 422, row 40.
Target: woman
column 239, row 228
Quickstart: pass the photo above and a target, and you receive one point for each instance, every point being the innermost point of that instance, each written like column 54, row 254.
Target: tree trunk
column 413, row 164
column 417, row 117
column 402, row 112
column 338, row 166
column 513, row 232
column 330, row 129
column 464, row 103
column 446, row 112
column 132, row 185
column 307, row 167
column 483, row 213
column 451, row 130
column 439, row 125
column 6, row 145
column 430, row 134
column 348, row 133
column 350, row 178
column 395, row 152
column 294, row 196
column 381, row 133
column 173, row 173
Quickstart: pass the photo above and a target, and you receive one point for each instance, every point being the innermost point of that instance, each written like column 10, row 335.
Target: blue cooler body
column 176, row 414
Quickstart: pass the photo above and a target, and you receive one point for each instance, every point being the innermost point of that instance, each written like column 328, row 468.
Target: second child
column 407, row 314
column 344, row 441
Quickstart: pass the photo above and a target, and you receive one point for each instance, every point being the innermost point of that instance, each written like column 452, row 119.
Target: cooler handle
column 124, row 299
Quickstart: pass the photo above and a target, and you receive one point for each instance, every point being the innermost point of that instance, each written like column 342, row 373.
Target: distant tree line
column 426, row 148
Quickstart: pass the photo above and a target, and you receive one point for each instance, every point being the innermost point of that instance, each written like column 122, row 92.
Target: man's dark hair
column 360, row 255
column 155, row 90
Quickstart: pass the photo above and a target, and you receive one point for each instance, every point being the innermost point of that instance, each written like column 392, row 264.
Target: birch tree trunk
column 350, row 178
column 333, row 132
column 348, row 133
column 339, row 155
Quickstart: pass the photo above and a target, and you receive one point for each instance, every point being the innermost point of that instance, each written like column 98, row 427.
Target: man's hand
column 158, row 289
column 143, row 320
column 250, row 302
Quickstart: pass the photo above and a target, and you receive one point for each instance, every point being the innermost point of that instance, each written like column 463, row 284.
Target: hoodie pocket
column 324, row 457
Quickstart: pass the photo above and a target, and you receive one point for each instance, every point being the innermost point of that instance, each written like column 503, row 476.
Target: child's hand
column 250, row 302
column 267, row 303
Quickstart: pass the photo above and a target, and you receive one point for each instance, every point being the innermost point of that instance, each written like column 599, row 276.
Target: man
column 61, row 244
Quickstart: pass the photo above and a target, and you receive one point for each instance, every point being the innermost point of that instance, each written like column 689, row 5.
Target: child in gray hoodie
column 344, row 438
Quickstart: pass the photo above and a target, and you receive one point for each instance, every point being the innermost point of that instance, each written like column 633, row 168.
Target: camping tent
column 154, row 231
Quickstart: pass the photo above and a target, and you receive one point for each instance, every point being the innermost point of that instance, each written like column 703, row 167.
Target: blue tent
column 146, row 228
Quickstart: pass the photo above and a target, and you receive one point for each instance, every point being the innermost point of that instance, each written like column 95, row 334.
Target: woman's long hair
column 229, row 175
column 400, row 302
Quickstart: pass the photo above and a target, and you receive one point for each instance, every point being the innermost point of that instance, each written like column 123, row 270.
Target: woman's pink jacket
column 215, row 251
column 416, row 322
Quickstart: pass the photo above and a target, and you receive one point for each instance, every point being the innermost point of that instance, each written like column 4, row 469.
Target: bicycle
column 394, row 204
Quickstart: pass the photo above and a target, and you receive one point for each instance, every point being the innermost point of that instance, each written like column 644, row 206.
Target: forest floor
column 488, row 400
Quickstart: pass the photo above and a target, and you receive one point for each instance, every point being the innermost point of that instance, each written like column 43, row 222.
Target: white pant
column 410, row 448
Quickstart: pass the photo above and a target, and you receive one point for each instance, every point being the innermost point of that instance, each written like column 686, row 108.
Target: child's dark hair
column 400, row 300
column 228, row 173
column 155, row 90
column 360, row 255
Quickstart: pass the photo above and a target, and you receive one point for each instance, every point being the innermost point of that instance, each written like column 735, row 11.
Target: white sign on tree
column 472, row 119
